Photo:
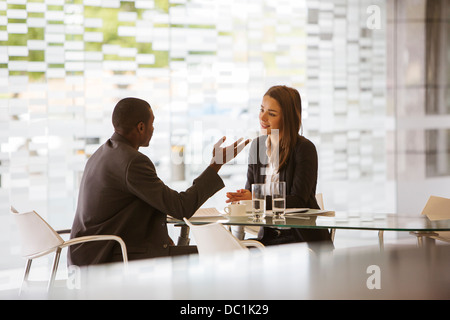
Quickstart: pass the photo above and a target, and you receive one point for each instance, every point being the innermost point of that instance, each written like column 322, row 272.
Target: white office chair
column 444, row 210
column 319, row 199
column 38, row 238
column 214, row 238
column 442, row 236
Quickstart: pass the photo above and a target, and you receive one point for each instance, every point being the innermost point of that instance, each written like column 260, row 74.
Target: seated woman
column 281, row 154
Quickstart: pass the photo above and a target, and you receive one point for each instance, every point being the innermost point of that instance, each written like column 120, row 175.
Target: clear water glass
column 278, row 192
column 258, row 200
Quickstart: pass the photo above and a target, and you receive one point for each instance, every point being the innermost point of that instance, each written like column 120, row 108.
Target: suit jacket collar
column 119, row 138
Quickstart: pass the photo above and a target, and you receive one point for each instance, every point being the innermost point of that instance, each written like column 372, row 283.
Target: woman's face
column 270, row 115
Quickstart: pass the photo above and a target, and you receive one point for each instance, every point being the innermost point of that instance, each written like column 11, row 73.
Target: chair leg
column 423, row 238
column 332, row 234
column 54, row 269
column 27, row 269
column 26, row 274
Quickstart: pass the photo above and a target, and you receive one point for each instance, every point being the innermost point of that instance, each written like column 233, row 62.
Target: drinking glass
column 258, row 200
column 278, row 191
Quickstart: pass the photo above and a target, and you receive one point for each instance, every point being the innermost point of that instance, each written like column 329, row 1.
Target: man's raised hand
column 222, row 155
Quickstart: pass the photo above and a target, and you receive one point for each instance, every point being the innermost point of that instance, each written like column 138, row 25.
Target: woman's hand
column 242, row 194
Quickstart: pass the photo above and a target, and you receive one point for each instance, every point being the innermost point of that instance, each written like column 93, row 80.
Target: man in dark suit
column 121, row 194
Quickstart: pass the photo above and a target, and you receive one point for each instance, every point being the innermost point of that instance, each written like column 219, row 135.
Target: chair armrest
column 99, row 238
column 442, row 236
column 63, row 231
column 253, row 243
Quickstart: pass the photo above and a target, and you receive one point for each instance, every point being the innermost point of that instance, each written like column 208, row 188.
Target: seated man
column 121, row 194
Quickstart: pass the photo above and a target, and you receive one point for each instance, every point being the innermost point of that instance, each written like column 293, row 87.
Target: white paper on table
column 437, row 208
column 207, row 212
column 290, row 212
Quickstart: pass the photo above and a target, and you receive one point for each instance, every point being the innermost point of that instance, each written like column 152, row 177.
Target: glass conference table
column 420, row 225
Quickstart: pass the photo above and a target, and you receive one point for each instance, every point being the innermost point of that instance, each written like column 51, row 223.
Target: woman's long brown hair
column 291, row 119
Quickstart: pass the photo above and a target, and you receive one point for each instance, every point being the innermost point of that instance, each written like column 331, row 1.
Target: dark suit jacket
column 121, row 194
column 300, row 175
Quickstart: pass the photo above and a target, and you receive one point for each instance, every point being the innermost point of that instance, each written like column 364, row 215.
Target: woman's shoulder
column 304, row 142
column 304, row 145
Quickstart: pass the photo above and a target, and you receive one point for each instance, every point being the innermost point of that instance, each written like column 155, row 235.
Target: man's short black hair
column 128, row 112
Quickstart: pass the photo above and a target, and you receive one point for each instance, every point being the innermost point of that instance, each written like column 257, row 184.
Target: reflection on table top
column 340, row 220
column 288, row 272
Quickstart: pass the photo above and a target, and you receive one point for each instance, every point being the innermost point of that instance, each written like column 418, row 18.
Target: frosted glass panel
column 203, row 66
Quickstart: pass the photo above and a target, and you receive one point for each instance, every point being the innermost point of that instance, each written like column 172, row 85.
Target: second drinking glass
column 278, row 191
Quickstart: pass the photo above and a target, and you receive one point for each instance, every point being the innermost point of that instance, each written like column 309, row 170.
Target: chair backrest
column 214, row 238
column 36, row 236
column 437, row 208
column 319, row 199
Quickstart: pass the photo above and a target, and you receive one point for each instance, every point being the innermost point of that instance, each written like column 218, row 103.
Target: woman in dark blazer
column 281, row 154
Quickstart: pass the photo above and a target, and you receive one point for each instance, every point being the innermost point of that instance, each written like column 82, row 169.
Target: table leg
column 381, row 239
column 183, row 239
column 238, row 232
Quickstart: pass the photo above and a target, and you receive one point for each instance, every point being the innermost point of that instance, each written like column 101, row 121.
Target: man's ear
column 140, row 126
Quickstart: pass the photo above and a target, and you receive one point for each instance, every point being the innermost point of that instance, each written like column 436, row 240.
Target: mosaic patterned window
column 203, row 66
